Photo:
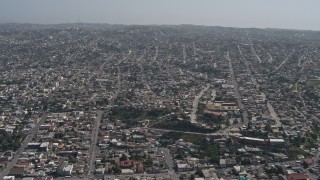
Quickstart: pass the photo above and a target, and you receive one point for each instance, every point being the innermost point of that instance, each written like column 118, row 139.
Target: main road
column 255, row 54
column 24, row 144
column 193, row 115
column 274, row 114
column 236, row 91
column 168, row 159
column 94, row 140
column 115, row 95
column 284, row 61
column 256, row 84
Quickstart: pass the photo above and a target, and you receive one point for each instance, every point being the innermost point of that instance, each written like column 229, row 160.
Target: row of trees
column 9, row 141
column 181, row 125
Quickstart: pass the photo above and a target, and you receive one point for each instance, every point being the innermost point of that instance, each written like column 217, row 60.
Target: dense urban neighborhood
column 100, row 101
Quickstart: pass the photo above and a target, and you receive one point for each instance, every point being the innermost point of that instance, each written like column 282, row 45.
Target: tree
column 123, row 157
column 245, row 161
column 72, row 159
column 58, row 135
column 10, row 141
column 268, row 128
column 104, row 159
column 199, row 173
column 249, row 125
column 238, row 159
column 182, row 176
column 116, row 169
column 148, row 162
column 192, row 177
column 212, row 151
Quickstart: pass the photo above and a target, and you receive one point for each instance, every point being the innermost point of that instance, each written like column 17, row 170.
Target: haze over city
column 288, row 14
column 161, row 90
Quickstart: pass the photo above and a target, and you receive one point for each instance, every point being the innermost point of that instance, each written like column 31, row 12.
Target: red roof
column 24, row 163
column 308, row 161
column 49, row 178
column 3, row 162
column 127, row 163
column 297, row 176
column 139, row 164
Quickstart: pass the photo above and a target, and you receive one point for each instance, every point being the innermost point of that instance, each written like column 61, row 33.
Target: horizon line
column 133, row 24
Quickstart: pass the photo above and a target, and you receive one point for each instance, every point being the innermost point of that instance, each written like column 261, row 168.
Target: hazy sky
column 293, row 14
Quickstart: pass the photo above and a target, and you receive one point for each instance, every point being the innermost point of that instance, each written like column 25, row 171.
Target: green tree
column 116, row 169
column 72, row 159
column 123, row 157
column 199, row 173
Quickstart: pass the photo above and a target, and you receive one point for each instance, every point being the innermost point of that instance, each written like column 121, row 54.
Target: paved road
column 144, row 78
column 94, row 141
column 255, row 53
column 72, row 178
column 169, row 69
column 274, row 114
column 270, row 58
column 249, row 71
column 186, row 132
column 256, row 84
column 284, row 61
column 299, row 93
column 236, row 90
column 225, row 133
column 184, row 53
column 173, row 176
column 156, row 55
column 213, row 95
column 194, row 49
column 99, row 74
column 299, row 61
column 115, row 95
column 22, row 147
column 168, row 158
column 193, row 115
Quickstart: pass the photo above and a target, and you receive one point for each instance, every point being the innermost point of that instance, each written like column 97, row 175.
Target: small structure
column 65, row 169
column 297, row 176
column 126, row 171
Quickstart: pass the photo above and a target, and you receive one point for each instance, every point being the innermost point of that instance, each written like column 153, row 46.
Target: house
column 25, row 164
column 4, row 160
column 153, row 170
column 126, row 164
column 8, row 154
column 100, row 171
column 64, row 169
column 183, row 167
column 277, row 142
column 126, row 171
column 9, row 178
column 138, row 166
column 41, row 147
column 18, row 172
column 253, row 141
column 307, row 162
column 297, row 176
column 223, row 163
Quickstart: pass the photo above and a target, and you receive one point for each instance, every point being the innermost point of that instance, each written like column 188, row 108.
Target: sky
column 287, row 14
